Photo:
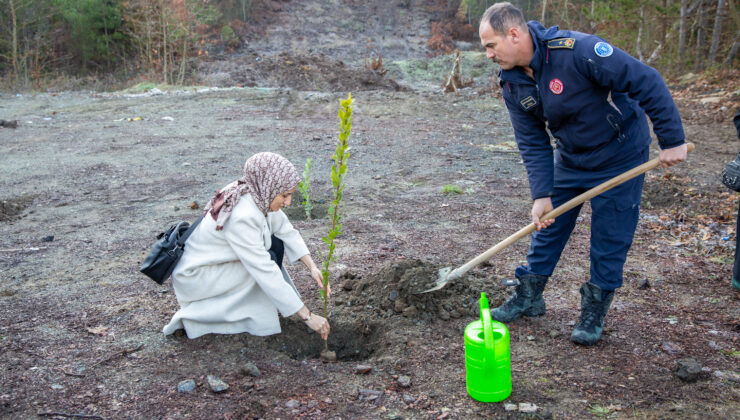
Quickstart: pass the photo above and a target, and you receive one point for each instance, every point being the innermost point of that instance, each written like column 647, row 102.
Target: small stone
column 363, row 369
column 399, row 305
column 404, row 381
column 293, row 404
column 216, row 384
column 395, row 415
column 369, row 394
column 530, row 338
column 643, row 284
column 49, row 238
column 527, row 408
column 688, row 370
column 328, row 356
column 671, row 348
column 247, row 385
column 455, row 314
column 410, row 311
column 408, row 399
column 554, row 333
column 393, row 296
column 250, row 369
column 347, row 285
column 511, row 407
column 186, row 386
column 726, row 374
column 443, row 314
column 56, row 386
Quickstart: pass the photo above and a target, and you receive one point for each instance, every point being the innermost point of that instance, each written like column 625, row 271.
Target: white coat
column 226, row 282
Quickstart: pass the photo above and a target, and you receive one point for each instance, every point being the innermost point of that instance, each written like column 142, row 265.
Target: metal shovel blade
column 442, row 278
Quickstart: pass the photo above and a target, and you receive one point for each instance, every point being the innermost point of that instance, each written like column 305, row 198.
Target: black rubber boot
column 527, row 300
column 593, row 310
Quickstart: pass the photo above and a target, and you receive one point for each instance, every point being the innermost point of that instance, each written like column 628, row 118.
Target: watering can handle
column 485, row 315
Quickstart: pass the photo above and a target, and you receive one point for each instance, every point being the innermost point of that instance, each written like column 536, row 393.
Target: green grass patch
column 451, row 189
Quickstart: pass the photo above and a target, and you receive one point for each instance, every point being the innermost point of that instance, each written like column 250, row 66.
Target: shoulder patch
column 602, row 49
column 528, row 102
column 562, row 43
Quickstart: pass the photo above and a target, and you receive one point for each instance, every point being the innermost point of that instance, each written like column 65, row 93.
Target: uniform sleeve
column 244, row 235
column 534, row 147
column 618, row 71
column 295, row 247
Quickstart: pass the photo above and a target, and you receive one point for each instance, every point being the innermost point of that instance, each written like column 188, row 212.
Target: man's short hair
column 502, row 16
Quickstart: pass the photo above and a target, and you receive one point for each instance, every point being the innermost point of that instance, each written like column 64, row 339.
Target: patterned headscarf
column 266, row 175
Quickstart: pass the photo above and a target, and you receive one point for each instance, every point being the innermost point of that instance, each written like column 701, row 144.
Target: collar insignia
column 562, row 43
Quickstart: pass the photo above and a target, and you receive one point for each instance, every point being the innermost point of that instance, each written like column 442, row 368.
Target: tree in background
column 669, row 34
column 160, row 40
column 91, row 32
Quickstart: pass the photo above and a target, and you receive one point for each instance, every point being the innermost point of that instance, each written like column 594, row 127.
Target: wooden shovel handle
column 580, row 199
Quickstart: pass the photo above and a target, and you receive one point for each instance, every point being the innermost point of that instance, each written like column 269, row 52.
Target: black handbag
column 166, row 252
column 731, row 174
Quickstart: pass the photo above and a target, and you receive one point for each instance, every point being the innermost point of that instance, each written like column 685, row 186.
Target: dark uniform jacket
column 589, row 94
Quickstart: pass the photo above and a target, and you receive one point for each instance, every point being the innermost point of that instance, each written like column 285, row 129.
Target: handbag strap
column 186, row 235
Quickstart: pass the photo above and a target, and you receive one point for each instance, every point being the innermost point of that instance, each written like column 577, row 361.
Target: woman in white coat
column 230, row 278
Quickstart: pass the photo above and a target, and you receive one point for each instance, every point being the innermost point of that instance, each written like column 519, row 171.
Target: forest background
column 111, row 44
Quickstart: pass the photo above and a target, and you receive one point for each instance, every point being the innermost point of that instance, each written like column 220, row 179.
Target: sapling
column 338, row 172
column 304, row 186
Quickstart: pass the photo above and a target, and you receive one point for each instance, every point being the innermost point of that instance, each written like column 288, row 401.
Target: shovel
column 447, row 274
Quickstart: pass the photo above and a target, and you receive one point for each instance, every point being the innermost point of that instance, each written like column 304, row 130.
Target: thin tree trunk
column 14, row 41
column 544, row 10
column 682, row 31
column 164, row 44
column 733, row 50
column 736, row 44
column 638, row 42
column 717, row 31
column 701, row 38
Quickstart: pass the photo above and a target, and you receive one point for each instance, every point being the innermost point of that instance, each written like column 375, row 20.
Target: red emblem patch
column 556, row 86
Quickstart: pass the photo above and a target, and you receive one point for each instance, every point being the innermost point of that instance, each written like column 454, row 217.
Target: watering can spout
column 483, row 303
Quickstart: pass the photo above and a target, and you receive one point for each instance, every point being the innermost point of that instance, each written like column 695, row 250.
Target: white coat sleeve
column 295, row 247
column 244, row 235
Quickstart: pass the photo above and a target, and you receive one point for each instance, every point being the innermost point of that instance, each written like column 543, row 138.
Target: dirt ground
column 88, row 179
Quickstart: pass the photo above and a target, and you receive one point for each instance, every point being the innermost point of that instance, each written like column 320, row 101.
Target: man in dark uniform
column 592, row 97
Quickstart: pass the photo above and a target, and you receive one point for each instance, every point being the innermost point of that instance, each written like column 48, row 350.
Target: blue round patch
column 602, row 49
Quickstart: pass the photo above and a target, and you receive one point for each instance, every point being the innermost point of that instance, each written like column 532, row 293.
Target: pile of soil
column 306, row 72
column 396, row 290
column 11, row 209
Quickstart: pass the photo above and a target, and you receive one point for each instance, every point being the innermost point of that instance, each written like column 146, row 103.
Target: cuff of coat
column 536, row 196
column 669, row 144
column 295, row 252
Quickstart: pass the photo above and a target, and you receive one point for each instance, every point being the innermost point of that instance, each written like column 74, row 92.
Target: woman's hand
column 315, row 273
column 319, row 324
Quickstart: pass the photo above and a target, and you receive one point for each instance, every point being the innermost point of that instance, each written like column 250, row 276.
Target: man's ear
column 515, row 33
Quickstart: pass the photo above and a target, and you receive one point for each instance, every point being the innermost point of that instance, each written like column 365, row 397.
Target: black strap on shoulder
column 190, row 230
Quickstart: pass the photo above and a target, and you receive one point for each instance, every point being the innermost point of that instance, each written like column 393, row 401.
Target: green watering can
column 487, row 360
